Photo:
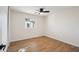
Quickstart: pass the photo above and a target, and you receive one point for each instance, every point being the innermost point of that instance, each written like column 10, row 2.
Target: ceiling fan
column 42, row 11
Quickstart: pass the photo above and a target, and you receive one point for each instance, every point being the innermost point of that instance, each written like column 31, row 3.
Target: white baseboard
column 26, row 38
column 51, row 36
column 48, row 35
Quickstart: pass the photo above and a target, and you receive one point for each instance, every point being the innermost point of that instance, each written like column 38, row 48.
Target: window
column 29, row 23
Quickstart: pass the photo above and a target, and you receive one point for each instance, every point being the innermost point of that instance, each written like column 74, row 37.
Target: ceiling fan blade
column 46, row 11
column 43, row 11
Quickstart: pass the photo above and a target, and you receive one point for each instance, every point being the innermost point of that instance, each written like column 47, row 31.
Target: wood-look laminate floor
column 42, row 44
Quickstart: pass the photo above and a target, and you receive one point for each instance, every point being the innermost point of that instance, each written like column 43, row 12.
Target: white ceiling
column 34, row 9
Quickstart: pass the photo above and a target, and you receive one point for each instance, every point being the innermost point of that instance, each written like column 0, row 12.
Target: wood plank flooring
column 42, row 44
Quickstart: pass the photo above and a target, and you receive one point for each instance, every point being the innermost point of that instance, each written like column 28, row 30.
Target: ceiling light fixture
column 41, row 13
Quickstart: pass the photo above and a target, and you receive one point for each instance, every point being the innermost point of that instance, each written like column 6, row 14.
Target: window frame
column 30, row 22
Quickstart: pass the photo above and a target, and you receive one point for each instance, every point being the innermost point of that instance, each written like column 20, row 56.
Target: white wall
column 64, row 26
column 0, row 27
column 4, row 18
column 4, row 25
column 17, row 28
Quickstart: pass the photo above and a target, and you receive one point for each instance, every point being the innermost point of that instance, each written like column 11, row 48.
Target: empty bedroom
column 42, row 29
